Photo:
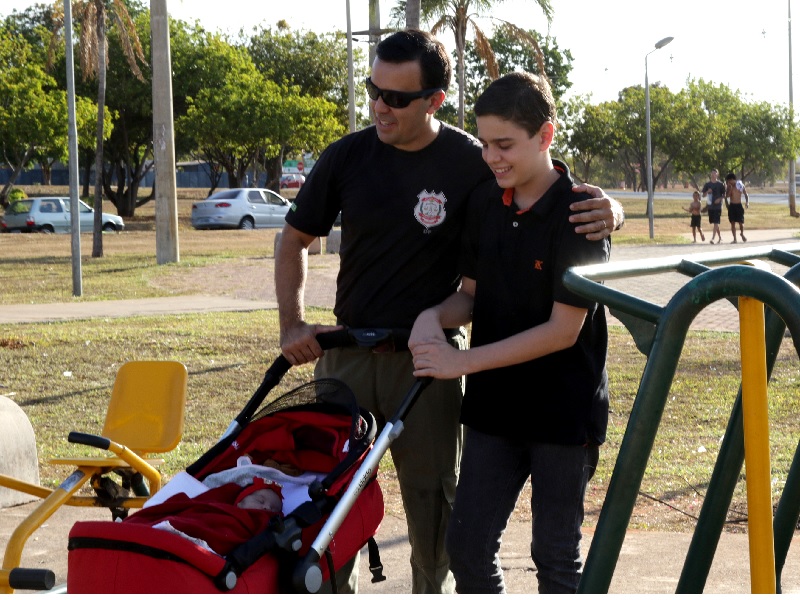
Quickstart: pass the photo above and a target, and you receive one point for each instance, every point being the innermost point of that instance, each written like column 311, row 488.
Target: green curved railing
column 660, row 333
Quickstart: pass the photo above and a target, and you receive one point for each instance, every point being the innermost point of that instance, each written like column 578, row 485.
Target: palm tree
column 458, row 16
column 413, row 13
column 93, row 52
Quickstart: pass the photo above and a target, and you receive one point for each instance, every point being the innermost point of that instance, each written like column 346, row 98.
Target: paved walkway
column 650, row 562
column 720, row 316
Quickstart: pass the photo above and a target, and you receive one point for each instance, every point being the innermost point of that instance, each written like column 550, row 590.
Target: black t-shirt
column 402, row 219
column 717, row 191
column 518, row 261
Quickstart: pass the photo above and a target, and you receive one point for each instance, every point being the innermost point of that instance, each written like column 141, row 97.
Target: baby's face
column 262, row 500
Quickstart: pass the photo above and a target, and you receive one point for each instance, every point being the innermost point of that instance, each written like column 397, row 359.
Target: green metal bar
column 713, row 513
column 658, row 374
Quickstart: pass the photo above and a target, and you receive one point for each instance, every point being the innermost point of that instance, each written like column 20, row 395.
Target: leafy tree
column 458, row 16
column 513, row 53
column 583, row 134
column 315, row 63
column 247, row 116
column 33, row 111
column 92, row 16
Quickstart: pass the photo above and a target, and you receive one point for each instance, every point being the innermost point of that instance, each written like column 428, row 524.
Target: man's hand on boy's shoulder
column 598, row 216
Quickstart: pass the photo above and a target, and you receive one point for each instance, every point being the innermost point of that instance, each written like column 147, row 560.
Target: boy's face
column 404, row 128
column 510, row 151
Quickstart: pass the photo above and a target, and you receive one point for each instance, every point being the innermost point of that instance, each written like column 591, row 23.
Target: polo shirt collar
column 563, row 171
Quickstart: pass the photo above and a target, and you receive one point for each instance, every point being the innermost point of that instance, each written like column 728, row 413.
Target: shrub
column 16, row 194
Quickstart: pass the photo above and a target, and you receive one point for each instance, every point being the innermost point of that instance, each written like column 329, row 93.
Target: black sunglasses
column 396, row 99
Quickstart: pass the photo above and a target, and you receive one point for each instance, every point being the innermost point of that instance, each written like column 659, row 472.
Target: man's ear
column 435, row 101
column 546, row 132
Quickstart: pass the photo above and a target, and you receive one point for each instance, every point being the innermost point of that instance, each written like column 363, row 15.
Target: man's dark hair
column 522, row 98
column 415, row 45
column 730, row 176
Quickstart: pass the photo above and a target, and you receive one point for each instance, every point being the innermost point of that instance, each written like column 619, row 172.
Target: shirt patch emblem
column 430, row 211
column 538, row 265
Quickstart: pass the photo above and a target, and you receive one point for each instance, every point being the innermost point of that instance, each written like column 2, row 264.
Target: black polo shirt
column 518, row 260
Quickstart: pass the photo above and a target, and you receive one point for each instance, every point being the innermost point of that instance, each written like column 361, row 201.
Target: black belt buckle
column 378, row 341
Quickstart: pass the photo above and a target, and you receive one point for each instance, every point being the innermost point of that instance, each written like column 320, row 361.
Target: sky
column 740, row 43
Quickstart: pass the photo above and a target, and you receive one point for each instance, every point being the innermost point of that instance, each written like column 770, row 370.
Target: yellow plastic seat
column 145, row 416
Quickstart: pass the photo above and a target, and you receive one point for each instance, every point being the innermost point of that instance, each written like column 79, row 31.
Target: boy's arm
column 442, row 361
column 454, row 311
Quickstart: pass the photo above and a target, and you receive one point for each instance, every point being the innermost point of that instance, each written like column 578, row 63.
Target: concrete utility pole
column 351, row 91
column 72, row 141
column 163, row 137
column 792, row 180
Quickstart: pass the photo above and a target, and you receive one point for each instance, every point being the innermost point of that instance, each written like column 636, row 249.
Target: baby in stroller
column 229, row 506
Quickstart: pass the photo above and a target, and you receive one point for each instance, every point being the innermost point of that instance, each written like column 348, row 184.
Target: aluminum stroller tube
column 364, row 474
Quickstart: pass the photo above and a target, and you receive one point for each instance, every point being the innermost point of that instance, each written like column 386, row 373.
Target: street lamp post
column 649, row 154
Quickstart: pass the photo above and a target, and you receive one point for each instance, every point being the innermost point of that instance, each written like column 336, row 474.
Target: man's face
column 714, row 175
column 405, row 128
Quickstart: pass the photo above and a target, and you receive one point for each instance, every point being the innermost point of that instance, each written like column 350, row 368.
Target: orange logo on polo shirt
column 538, row 265
column 430, row 211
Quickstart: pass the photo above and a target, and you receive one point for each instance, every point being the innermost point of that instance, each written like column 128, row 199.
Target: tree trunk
column 460, row 43
column 97, row 236
column 412, row 14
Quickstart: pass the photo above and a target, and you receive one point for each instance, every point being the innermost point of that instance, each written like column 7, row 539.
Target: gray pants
column 426, row 455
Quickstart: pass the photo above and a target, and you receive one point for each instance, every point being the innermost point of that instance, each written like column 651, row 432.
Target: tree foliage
column 460, row 16
column 246, row 116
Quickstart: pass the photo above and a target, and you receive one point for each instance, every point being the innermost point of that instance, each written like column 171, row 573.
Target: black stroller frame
column 285, row 536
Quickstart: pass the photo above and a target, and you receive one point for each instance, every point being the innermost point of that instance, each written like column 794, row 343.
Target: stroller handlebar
column 379, row 339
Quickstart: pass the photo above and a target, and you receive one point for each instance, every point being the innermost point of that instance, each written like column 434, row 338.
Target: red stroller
column 317, row 430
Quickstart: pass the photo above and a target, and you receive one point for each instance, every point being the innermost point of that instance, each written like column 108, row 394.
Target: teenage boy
column 402, row 187
column 536, row 401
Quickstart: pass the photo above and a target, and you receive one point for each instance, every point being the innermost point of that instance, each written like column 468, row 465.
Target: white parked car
column 240, row 208
column 52, row 215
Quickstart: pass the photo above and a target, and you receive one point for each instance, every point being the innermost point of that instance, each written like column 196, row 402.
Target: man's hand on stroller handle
column 299, row 342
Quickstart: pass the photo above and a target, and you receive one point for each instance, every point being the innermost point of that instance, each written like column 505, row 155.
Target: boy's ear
column 547, row 131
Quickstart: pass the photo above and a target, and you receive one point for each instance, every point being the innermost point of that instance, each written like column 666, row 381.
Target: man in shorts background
column 734, row 189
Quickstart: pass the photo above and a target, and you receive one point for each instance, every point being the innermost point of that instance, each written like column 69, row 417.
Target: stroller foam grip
column 87, row 439
column 31, row 579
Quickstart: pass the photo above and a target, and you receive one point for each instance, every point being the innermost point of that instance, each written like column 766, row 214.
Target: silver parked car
column 240, row 208
column 52, row 215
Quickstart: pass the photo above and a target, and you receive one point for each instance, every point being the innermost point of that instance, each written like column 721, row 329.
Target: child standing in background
column 695, row 223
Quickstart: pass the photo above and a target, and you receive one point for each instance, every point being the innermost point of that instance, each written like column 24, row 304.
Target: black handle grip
column 31, row 579
column 87, row 439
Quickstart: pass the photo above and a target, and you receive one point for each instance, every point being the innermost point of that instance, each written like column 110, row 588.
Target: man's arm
column 603, row 214
column 298, row 338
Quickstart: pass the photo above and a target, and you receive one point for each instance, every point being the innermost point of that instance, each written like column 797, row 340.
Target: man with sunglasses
column 402, row 187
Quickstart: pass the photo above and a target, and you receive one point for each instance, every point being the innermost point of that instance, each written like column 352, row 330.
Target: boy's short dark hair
column 730, row 176
column 522, row 98
column 415, row 45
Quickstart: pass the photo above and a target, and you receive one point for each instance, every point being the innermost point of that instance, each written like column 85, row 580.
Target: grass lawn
column 61, row 373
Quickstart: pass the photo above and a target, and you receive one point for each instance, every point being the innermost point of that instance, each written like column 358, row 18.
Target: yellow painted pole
column 756, row 446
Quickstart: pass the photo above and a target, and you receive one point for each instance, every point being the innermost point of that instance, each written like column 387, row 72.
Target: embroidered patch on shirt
column 430, row 211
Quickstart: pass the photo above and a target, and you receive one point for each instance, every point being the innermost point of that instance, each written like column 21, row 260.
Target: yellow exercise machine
column 144, row 417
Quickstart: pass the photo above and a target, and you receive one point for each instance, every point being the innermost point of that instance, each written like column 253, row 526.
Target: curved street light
column 649, row 155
